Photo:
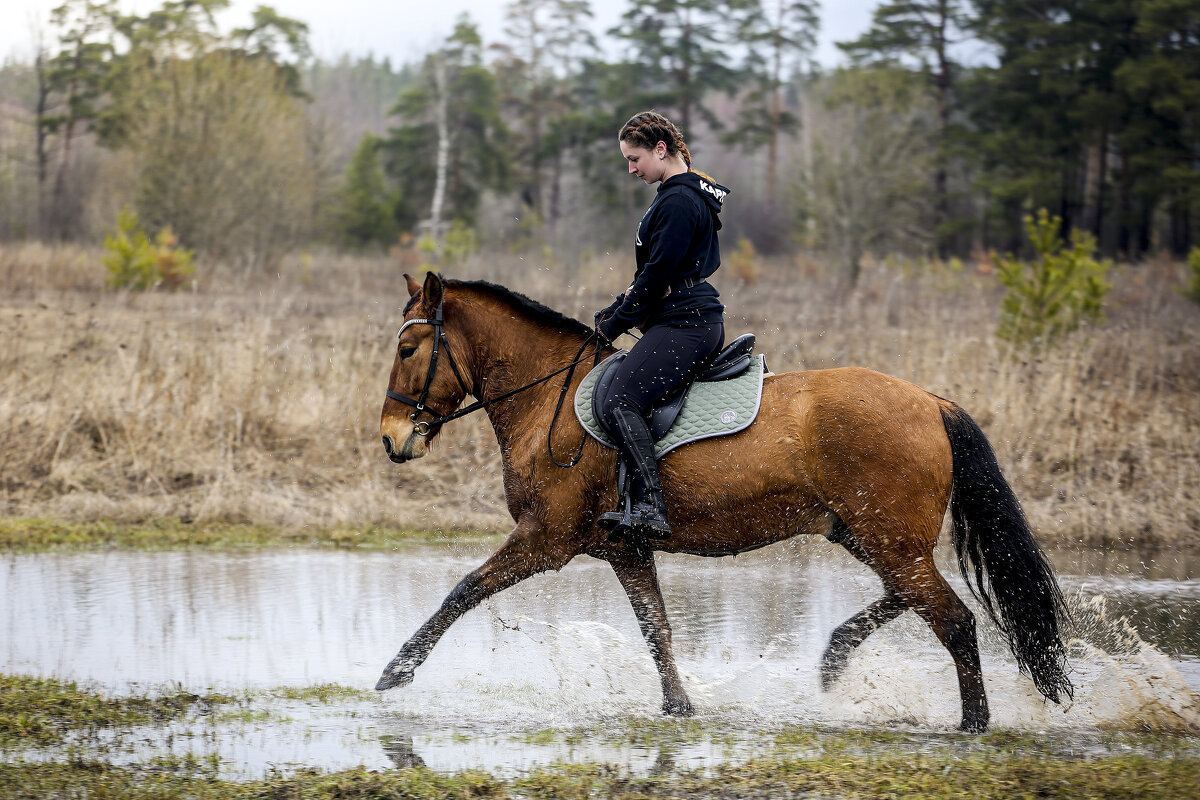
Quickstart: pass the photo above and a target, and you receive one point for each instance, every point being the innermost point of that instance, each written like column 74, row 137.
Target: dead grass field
column 256, row 398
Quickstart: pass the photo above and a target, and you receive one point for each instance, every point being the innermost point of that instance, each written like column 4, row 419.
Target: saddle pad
column 716, row 408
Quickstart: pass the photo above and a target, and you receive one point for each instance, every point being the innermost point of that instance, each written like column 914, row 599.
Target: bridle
column 422, row 427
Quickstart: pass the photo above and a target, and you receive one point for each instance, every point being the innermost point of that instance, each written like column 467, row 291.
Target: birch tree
column 447, row 144
column 536, row 66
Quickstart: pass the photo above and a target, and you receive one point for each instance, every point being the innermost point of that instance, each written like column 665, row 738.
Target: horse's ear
column 432, row 289
column 413, row 286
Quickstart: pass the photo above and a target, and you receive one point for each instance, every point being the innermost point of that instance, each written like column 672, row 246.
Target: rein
column 421, row 427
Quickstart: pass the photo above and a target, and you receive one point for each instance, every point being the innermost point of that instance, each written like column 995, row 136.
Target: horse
column 869, row 461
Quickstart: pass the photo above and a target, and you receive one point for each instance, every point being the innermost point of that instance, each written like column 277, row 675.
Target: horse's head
column 426, row 383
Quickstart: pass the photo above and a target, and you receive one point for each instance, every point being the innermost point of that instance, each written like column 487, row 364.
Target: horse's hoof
column 678, row 708
column 832, row 668
column 393, row 676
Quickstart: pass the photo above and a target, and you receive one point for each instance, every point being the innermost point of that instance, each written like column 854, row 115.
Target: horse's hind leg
column 923, row 589
column 854, row 631
column 640, row 580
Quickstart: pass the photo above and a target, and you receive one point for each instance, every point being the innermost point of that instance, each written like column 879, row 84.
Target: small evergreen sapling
column 1062, row 287
column 1193, row 288
column 133, row 261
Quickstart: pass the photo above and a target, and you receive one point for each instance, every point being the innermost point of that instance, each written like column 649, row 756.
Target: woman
column 670, row 299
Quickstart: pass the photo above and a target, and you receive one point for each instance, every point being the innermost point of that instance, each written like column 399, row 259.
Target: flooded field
column 555, row 669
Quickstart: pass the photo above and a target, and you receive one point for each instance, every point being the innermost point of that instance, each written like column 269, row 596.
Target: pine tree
column 779, row 37
column 545, row 41
column 678, row 52
column 365, row 208
column 76, row 77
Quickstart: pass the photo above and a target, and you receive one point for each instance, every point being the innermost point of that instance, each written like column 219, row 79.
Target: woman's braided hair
column 649, row 128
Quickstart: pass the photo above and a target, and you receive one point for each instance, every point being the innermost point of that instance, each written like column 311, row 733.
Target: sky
column 400, row 29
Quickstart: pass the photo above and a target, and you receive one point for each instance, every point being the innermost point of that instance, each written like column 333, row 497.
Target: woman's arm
column 672, row 226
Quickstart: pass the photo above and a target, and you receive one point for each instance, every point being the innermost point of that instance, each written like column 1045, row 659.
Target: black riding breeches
column 663, row 358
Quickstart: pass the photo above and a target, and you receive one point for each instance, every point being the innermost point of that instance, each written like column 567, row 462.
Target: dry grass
column 255, row 398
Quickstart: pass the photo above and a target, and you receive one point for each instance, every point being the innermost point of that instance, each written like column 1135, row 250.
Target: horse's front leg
column 637, row 574
column 526, row 552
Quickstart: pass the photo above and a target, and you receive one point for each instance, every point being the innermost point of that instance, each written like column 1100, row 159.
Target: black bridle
column 422, row 427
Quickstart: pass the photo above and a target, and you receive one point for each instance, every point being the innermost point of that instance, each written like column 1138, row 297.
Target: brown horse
column 869, row 461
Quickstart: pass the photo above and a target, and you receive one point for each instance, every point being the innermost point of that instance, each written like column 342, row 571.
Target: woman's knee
column 612, row 402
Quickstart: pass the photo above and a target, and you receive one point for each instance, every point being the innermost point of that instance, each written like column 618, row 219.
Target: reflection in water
column 399, row 750
column 563, row 651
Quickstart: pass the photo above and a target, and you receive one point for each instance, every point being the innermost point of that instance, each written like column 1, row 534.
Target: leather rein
column 422, row 427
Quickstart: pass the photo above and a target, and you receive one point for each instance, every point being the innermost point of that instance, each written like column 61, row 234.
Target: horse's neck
column 511, row 356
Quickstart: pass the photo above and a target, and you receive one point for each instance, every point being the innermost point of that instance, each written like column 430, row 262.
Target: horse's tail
column 1013, row 580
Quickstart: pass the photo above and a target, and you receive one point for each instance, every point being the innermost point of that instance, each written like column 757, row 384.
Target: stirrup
column 635, row 527
column 650, row 523
column 611, row 521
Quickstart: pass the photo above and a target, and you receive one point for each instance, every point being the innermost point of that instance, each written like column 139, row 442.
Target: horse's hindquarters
column 867, row 447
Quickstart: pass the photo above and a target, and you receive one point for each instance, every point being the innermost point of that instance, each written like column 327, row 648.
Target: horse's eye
column 407, row 350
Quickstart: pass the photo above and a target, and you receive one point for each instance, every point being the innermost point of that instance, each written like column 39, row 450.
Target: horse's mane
column 530, row 308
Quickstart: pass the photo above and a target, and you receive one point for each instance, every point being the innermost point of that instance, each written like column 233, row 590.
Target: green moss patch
column 28, row 535
column 931, row 777
column 40, row 711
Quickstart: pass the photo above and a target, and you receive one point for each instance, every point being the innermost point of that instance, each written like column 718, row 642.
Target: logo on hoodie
column 713, row 190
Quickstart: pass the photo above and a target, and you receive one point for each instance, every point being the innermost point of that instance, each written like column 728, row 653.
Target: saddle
column 723, row 398
column 730, row 362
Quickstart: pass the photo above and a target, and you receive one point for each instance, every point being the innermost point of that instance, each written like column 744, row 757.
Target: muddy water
column 560, row 653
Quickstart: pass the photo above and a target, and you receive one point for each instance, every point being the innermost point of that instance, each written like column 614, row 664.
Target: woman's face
column 645, row 163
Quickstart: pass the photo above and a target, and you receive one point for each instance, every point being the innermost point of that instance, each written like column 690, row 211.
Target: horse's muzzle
column 413, row 447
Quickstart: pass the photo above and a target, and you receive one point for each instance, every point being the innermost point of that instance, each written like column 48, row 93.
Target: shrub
column 1193, row 288
column 133, row 261
column 744, row 261
column 1062, row 287
column 461, row 243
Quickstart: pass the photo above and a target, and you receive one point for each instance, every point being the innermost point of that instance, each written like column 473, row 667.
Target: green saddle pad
column 717, row 408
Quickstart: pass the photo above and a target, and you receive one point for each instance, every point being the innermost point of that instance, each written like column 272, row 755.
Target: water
column 561, row 653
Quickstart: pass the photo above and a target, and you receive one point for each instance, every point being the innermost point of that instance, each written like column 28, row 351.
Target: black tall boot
column 647, row 516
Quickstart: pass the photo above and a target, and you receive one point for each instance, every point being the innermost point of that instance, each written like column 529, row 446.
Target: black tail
column 1013, row 580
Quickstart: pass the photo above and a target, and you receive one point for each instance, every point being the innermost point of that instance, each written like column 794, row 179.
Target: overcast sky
column 400, row 29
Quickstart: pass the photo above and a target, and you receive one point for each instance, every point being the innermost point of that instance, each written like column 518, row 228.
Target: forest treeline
column 951, row 122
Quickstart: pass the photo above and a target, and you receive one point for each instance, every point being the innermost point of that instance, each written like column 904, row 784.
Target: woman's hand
column 598, row 320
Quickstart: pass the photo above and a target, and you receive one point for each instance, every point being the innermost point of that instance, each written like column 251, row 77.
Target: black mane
column 532, row 308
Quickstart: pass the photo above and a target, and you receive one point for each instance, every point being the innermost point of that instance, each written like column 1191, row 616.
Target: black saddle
column 729, row 363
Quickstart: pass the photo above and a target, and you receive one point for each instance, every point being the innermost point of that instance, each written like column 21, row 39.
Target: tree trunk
column 776, row 110
column 1096, row 180
column 940, row 180
column 43, row 136
column 58, row 217
column 1181, row 226
column 555, row 209
column 443, row 152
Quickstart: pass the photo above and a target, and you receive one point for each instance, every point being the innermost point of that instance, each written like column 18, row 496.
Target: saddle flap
column 662, row 416
column 730, row 362
column 607, row 369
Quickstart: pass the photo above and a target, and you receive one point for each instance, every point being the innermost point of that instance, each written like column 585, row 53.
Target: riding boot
column 646, row 513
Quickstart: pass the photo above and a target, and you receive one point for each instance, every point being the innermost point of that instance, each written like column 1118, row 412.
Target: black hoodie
column 676, row 243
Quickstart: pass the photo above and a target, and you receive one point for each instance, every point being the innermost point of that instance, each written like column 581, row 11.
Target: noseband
column 421, row 428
